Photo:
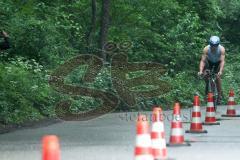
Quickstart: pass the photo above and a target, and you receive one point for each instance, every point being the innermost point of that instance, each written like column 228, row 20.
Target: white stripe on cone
column 158, row 143
column 196, row 120
column 210, row 104
column 210, row 114
column 196, row 109
column 176, row 132
column 157, row 127
column 231, row 99
column 230, row 107
column 177, row 118
column 143, row 140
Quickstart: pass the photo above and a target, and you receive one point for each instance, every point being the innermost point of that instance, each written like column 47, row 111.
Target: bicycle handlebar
column 209, row 73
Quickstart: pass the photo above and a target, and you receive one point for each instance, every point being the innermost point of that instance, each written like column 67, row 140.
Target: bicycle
column 212, row 86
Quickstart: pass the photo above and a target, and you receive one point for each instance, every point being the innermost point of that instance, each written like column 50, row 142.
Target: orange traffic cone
column 159, row 150
column 231, row 112
column 196, row 124
column 143, row 149
column 50, row 148
column 177, row 137
column 210, row 118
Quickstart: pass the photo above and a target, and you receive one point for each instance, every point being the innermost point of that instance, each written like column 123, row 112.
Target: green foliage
column 25, row 93
column 229, row 22
column 44, row 34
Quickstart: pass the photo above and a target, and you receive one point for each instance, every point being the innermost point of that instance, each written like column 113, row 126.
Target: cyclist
column 213, row 56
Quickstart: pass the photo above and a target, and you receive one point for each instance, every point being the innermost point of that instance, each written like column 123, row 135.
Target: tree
column 92, row 28
column 104, row 26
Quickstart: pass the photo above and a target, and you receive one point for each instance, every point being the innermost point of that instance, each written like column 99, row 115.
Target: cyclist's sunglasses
column 214, row 45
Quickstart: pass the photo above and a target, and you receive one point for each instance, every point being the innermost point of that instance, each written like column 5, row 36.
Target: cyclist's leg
column 219, row 85
column 206, row 89
column 219, row 90
column 215, row 93
column 206, row 79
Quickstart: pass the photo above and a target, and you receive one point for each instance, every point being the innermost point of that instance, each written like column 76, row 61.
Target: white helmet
column 214, row 41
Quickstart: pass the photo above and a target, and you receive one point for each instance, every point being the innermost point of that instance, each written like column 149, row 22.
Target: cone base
column 226, row 115
column 186, row 122
column 196, row 131
column 178, row 145
column 163, row 159
column 207, row 123
column 219, row 119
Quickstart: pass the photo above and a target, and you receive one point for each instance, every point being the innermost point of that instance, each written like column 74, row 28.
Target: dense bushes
column 44, row 34
column 25, row 93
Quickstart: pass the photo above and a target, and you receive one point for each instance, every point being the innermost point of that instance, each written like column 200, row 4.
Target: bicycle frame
column 212, row 86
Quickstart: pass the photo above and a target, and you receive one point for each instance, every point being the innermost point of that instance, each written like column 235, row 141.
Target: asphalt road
column 112, row 137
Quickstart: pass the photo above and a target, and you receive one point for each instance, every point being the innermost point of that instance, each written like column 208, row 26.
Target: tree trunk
column 104, row 26
column 92, row 27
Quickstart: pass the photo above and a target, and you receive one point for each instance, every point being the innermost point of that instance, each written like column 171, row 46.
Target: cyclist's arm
column 222, row 59
column 203, row 59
